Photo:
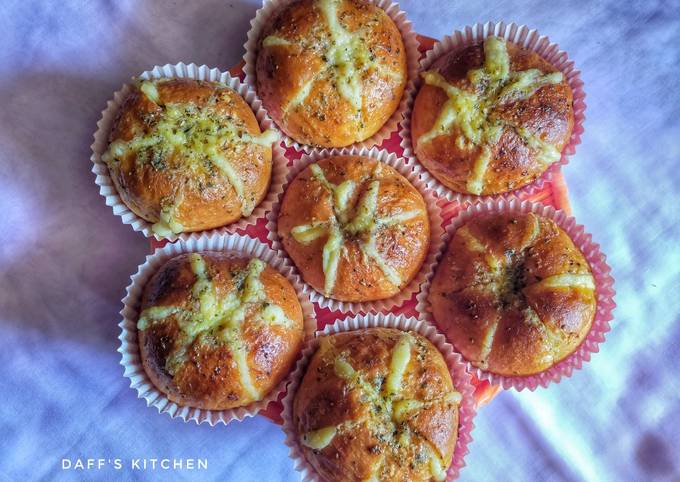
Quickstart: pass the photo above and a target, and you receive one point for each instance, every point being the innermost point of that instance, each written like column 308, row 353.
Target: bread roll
column 217, row 331
column 491, row 118
column 513, row 293
column 331, row 72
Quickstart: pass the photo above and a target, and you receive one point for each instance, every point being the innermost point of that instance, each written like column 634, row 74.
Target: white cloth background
column 65, row 259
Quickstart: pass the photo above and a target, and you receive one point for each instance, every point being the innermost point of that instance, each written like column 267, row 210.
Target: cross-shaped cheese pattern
column 390, row 411
column 346, row 59
column 472, row 113
column 189, row 139
column 218, row 318
column 360, row 222
column 502, row 286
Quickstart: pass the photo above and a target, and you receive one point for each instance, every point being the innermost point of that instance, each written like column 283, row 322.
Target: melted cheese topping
column 345, row 52
column 471, row 113
column 361, row 223
column 389, row 412
column 487, row 343
column 476, row 246
column 400, row 358
column 319, row 439
column 345, row 55
column 189, row 140
column 436, row 467
column 568, row 280
column 213, row 316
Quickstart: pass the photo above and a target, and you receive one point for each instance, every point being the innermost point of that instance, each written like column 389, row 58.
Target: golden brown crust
column 547, row 115
column 513, row 293
column 209, row 376
column 401, row 245
column 168, row 148
column 373, row 438
column 307, row 52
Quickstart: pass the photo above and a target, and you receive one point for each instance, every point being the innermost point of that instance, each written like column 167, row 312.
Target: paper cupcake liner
column 409, row 37
column 433, row 211
column 601, row 271
column 108, row 190
column 459, row 375
column 530, row 40
column 129, row 345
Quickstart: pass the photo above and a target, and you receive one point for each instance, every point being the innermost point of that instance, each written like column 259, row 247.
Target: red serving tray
column 553, row 193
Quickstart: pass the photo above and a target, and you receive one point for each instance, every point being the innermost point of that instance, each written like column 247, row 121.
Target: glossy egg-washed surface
column 513, row 293
column 188, row 155
column 218, row 332
column 377, row 404
column 491, row 118
column 356, row 229
column 331, row 72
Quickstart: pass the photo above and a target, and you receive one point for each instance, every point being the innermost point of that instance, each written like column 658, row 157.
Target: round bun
column 218, row 332
column 377, row 404
column 513, row 293
column 188, row 155
column 331, row 72
column 356, row 229
column 491, row 118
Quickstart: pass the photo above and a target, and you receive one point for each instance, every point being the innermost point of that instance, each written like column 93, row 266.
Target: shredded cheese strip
column 568, row 280
column 471, row 112
column 403, row 409
column 332, row 252
column 320, row 438
column 221, row 315
column 487, row 343
column 155, row 313
column 168, row 224
column 276, row 41
column 475, row 183
column 401, row 356
column 302, row 93
column 476, row 246
column 150, row 91
column 306, row 233
column 436, row 467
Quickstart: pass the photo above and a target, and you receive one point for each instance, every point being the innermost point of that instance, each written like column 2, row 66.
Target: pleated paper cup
column 129, row 342
column 604, row 291
column 269, row 10
column 101, row 141
column 457, row 369
column 433, row 212
column 526, row 38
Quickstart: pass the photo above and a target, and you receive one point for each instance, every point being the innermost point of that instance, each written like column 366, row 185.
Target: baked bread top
column 356, row 229
column 217, row 331
column 513, row 293
column 188, row 155
column 331, row 72
column 377, row 404
column 491, row 118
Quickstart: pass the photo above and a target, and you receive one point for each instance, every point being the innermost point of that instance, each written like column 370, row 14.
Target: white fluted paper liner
column 191, row 71
column 129, row 345
column 604, row 286
column 459, row 375
column 272, row 7
column 433, row 212
column 524, row 37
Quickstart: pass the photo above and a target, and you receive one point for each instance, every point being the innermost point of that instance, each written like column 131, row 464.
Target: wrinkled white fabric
column 65, row 259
